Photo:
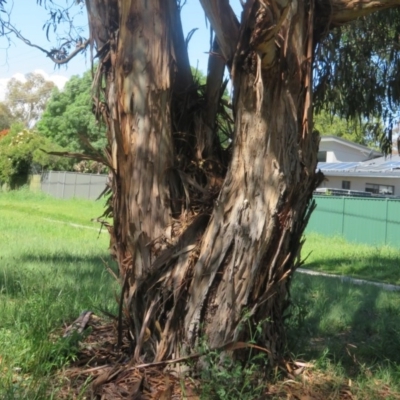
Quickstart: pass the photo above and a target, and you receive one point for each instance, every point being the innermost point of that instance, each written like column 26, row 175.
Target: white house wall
column 338, row 152
column 358, row 183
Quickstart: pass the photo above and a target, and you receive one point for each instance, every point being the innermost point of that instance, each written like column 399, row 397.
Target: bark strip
column 202, row 252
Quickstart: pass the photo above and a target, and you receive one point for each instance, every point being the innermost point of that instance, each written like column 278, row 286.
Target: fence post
column 90, row 185
column 386, row 220
column 58, row 183
column 76, row 178
column 63, row 188
column 48, row 182
column 343, row 208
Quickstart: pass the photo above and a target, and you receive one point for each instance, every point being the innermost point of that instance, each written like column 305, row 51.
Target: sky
column 18, row 59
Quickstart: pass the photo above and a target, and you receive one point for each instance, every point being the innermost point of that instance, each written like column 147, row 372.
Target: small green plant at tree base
column 224, row 377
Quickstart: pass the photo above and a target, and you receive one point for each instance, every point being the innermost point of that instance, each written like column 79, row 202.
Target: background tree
column 358, row 73
column 23, row 152
column 6, row 117
column 208, row 237
column 27, row 100
column 366, row 133
column 69, row 116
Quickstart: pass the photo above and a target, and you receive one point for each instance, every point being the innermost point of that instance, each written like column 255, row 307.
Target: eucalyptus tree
column 27, row 99
column 358, row 76
column 207, row 236
column 6, row 117
column 366, row 131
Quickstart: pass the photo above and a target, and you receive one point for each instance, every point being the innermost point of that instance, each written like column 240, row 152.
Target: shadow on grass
column 32, row 272
column 356, row 325
column 374, row 267
column 43, row 293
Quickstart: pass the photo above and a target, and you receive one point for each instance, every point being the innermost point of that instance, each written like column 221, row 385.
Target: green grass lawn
column 350, row 330
column 51, row 271
column 42, row 206
column 336, row 256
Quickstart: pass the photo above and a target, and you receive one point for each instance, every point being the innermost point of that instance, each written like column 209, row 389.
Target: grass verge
column 49, row 273
column 336, row 256
column 45, row 207
column 350, row 332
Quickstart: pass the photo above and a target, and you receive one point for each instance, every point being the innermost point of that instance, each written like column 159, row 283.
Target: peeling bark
column 201, row 242
column 225, row 25
column 137, row 64
column 249, row 249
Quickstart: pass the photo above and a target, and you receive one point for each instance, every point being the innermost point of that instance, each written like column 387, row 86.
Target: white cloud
column 59, row 80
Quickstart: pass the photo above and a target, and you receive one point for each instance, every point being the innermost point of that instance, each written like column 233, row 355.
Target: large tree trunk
column 202, row 243
column 180, row 284
column 137, row 42
column 248, row 252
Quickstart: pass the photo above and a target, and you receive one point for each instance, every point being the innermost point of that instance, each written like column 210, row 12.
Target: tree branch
column 215, row 77
column 58, row 56
column 225, row 25
column 344, row 11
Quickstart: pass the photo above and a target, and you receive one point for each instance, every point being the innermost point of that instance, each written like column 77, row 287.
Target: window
column 379, row 189
column 346, row 185
column 321, row 156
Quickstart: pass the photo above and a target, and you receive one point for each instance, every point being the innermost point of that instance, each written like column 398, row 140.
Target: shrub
column 4, row 133
column 22, row 151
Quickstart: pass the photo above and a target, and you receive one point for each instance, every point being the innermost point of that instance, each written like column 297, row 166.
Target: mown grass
column 45, row 207
column 49, row 273
column 336, row 256
column 351, row 331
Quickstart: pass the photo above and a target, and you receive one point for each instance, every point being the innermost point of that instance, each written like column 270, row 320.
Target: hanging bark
column 138, row 56
column 203, row 244
column 249, row 249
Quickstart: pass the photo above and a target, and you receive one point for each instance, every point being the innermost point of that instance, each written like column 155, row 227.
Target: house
column 352, row 167
column 333, row 149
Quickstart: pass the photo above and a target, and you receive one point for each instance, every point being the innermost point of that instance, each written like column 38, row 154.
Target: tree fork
column 194, row 272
